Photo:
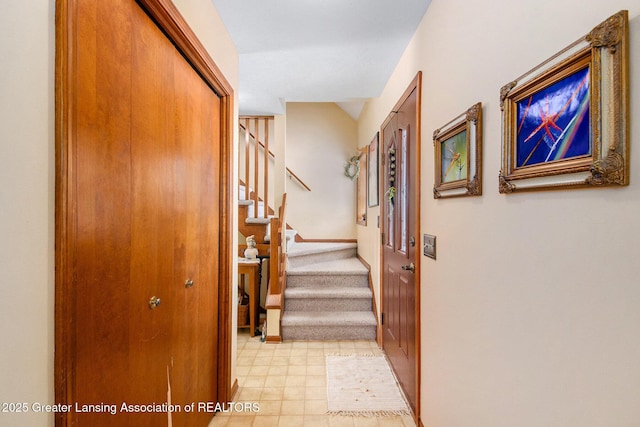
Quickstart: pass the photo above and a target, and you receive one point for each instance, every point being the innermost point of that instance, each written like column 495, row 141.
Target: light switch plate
column 429, row 247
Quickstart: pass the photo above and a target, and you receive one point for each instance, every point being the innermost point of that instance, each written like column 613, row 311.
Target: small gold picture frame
column 565, row 122
column 458, row 155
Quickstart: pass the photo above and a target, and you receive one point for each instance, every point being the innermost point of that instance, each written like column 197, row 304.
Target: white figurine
column 251, row 252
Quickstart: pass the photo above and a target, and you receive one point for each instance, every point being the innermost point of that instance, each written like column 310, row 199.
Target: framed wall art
column 565, row 122
column 361, row 189
column 373, row 172
column 458, row 155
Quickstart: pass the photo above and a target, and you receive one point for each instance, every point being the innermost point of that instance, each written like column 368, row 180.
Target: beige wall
column 27, row 47
column 321, row 138
column 26, row 207
column 530, row 314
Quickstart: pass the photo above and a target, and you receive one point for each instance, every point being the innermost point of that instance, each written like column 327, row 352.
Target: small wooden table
column 251, row 267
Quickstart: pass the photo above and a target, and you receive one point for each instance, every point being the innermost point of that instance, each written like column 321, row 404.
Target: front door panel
column 399, row 264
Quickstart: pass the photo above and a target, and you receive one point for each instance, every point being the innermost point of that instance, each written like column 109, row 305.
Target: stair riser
column 327, row 281
column 348, row 332
column 328, row 304
column 302, row 260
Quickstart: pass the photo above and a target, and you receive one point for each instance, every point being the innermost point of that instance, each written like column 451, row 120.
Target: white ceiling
column 341, row 51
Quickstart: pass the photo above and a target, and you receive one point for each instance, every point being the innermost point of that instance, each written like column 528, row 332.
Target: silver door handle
column 411, row 267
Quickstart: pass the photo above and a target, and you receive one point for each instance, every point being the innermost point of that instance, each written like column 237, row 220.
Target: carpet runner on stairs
column 327, row 295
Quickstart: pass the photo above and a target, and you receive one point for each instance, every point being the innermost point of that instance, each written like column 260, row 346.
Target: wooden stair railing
column 260, row 124
column 277, row 273
column 253, row 128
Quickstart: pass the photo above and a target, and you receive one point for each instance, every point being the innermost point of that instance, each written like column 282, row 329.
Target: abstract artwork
column 458, row 155
column 554, row 124
column 564, row 123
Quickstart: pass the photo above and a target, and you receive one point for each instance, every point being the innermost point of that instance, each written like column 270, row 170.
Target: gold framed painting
column 565, row 122
column 458, row 155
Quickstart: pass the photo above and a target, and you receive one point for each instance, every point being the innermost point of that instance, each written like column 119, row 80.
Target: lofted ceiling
column 341, row 51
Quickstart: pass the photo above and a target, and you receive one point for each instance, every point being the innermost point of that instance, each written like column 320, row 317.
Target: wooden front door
column 400, row 260
column 140, row 234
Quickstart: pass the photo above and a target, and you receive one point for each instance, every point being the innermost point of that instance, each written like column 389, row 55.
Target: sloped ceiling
column 341, row 51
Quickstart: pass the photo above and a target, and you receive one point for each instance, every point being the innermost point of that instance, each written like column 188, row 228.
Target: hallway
column 288, row 381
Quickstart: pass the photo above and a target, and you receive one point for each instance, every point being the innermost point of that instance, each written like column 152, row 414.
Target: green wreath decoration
column 352, row 168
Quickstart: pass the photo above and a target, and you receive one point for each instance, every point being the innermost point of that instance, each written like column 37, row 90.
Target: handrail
column 305, row 186
column 289, row 171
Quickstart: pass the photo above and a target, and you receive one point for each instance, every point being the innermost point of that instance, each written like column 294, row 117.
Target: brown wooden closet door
column 147, row 221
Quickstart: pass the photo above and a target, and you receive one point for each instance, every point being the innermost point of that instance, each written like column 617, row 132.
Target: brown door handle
column 154, row 302
column 411, row 267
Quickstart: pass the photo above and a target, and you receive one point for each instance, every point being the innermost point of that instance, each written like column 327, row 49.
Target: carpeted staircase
column 327, row 295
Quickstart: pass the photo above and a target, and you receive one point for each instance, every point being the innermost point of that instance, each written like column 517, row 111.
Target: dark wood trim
column 416, row 84
column 65, row 89
column 169, row 20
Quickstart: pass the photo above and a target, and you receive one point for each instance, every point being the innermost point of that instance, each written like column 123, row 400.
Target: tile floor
column 288, row 383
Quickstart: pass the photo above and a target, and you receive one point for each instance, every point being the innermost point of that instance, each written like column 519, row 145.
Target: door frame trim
column 416, row 84
column 170, row 21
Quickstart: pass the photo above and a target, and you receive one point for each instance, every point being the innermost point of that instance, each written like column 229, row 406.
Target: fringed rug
column 362, row 385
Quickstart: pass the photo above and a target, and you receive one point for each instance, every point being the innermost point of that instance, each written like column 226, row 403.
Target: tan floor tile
column 266, row 421
column 291, row 421
column 331, row 345
column 296, row 381
column 315, row 344
column 297, row 370
column 258, row 371
column 242, row 371
column 298, row 360
column 316, row 393
column 244, row 361
column 275, row 381
column 272, row 393
column 278, row 370
column 280, row 361
column 254, row 382
column 316, row 361
column 294, row 393
column 316, row 381
column 316, row 370
column 288, row 381
column 262, row 361
column 315, row 352
column 408, row 421
column 391, row 422
column 269, row 407
column 292, row 407
column 219, row 421
column 315, row 407
column 282, row 352
column 316, row 421
column 240, row 422
column 365, row 422
column 340, row 421
column 249, row 394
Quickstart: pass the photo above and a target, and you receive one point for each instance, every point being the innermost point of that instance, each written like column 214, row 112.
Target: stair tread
column 315, row 292
column 347, row 266
column 312, row 248
column 329, row 318
column 245, row 202
column 257, row 220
